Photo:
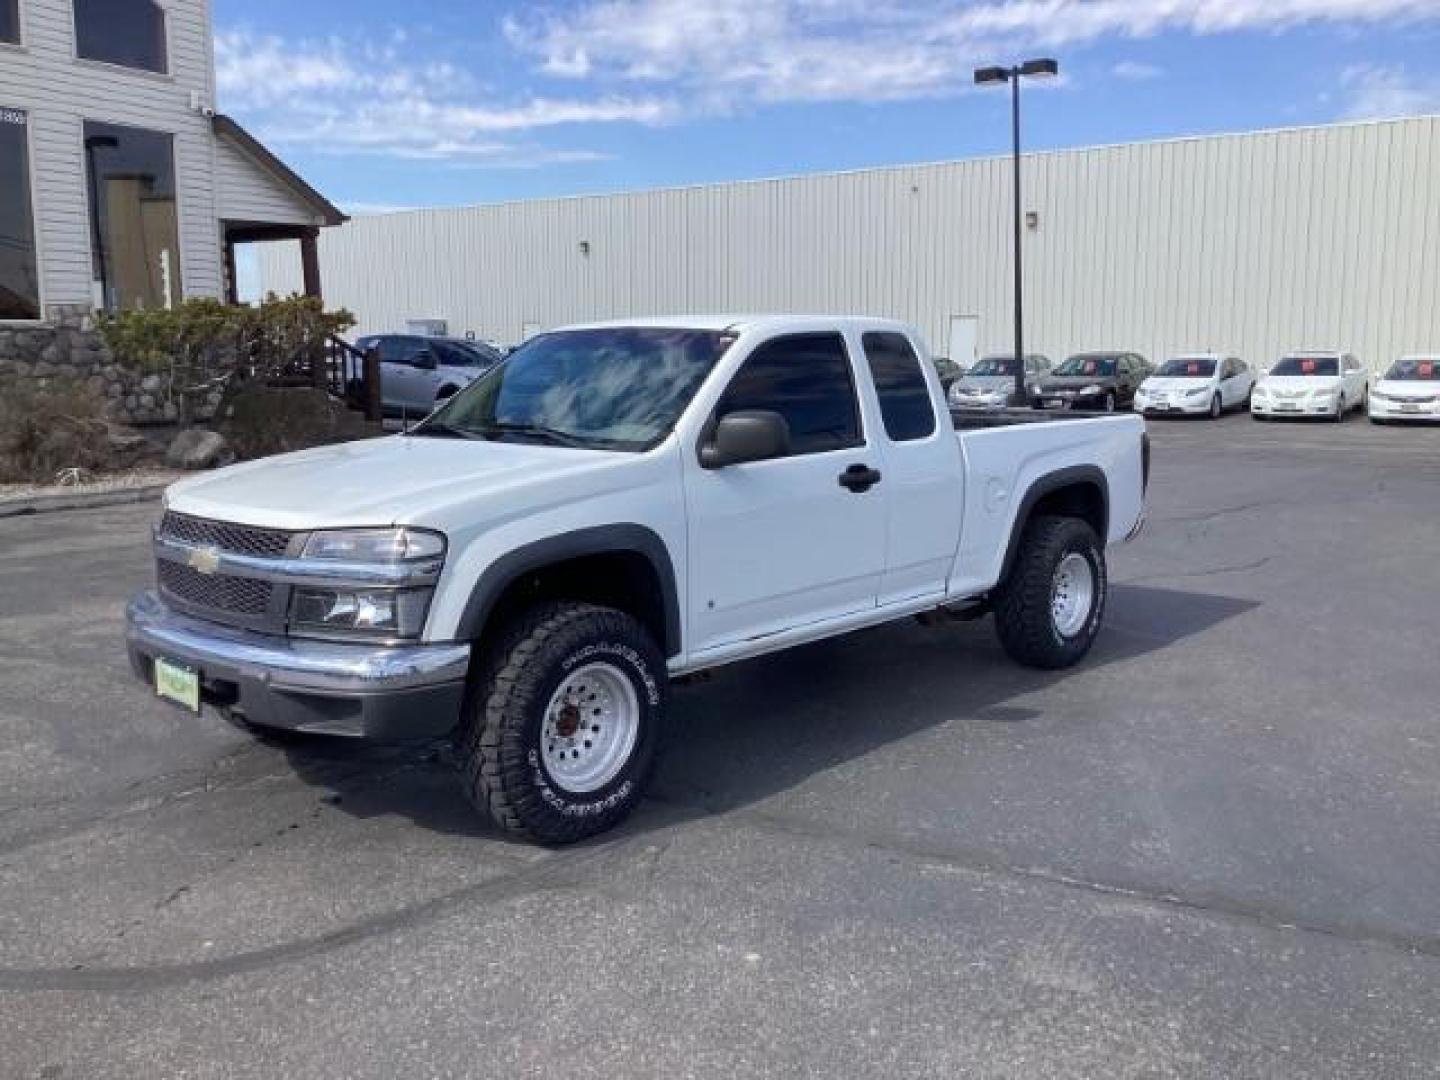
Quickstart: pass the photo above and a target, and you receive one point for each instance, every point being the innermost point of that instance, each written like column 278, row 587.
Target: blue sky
column 447, row 102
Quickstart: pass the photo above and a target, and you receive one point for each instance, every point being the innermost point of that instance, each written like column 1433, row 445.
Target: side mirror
column 750, row 435
column 424, row 360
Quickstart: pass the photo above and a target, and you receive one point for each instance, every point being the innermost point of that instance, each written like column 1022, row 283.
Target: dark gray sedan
column 1095, row 382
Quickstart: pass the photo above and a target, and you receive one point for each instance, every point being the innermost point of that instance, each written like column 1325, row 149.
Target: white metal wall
column 1256, row 243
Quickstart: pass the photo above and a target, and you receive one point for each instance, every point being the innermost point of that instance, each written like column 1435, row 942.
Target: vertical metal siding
column 1252, row 244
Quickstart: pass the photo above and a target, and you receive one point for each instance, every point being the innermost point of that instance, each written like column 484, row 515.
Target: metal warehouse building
column 1253, row 243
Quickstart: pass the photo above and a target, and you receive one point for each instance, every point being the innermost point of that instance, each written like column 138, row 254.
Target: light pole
column 991, row 76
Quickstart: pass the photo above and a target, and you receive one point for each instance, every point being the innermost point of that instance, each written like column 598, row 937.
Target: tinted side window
column 10, row 21
column 806, row 379
column 392, row 349
column 126, row 32
column 899, row 382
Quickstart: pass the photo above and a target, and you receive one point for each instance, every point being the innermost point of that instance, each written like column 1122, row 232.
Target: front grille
column 219, row 592
column 237, row 539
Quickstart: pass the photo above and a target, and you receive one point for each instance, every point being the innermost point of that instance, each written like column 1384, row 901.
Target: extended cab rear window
column 900, row 384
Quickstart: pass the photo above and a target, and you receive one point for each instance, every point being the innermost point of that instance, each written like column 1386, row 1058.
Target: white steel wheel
column 590, row 727
column 1072, row 595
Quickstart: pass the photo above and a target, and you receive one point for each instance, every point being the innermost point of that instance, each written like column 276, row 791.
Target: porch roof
column 251, row 207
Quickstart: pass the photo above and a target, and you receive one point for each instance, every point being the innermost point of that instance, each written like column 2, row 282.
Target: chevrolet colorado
column 614, row 506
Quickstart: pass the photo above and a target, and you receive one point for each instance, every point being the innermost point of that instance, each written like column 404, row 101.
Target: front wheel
column 1216, row 407
column 1340, row 410
column 563, row 729
column 1048, row 611
column 1109, row 405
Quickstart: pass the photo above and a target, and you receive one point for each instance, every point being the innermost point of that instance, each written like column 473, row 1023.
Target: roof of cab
column 736, row 322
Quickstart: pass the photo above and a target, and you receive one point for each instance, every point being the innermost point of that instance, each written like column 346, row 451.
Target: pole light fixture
column 1040, row 68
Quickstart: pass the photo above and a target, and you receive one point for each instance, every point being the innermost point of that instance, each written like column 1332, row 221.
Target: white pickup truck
column 614, row 506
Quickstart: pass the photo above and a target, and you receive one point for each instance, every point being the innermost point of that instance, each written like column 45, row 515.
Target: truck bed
column 973, row 419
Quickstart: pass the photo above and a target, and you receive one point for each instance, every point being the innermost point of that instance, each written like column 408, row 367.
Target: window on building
column 806, row 379
column 126, row 32
column 899, row 382
column 10, row 21
column 134, row 226
column 19, row 276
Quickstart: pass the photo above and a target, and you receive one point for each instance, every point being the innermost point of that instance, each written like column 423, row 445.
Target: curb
column 46, row 504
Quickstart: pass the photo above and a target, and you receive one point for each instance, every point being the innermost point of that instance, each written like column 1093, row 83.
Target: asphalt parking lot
column 1209, row 851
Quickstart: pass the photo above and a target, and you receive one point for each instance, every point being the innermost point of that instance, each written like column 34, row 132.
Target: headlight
column 1089, row 390
column 374, row 545
column 1378, row 396
column 380, row 612
column 1197, row 392
column 1321, row 395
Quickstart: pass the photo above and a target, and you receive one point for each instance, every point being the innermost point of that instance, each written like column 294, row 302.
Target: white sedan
column 1324, row 384
column 1202, row 384
column 1409, row 391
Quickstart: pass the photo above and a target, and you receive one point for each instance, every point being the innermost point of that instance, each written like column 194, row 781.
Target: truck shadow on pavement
column 758, row 728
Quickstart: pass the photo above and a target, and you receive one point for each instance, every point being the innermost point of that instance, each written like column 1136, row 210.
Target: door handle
column 859, row 478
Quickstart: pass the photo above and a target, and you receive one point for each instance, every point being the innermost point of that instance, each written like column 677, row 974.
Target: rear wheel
column 564, row 725
column 1048, row 611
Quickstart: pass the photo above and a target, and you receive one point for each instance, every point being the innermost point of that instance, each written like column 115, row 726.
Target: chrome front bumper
column 330, row 688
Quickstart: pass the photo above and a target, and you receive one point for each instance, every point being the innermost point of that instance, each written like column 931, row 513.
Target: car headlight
column 1378, row 396
column 1089, row 390
column 1197, row 392
column 374, row 545
column 396, row 613
column 1322, row 395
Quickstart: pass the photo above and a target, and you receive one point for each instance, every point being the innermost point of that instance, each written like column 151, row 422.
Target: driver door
column 783, row 543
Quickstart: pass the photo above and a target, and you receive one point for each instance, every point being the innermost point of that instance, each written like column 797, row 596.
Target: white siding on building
column 60, row 92
column 1251, row 243
column 247, row 192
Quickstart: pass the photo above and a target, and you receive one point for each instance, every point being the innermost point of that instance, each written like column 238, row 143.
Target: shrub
column 46, row 429
column 203, row 345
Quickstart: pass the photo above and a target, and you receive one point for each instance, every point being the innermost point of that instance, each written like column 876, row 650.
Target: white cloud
column 726, row 52
column 1374, row 91
column 341, row 96
column 1133, row 71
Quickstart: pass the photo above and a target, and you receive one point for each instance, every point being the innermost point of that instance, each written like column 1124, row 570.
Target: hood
column 1306, row 383
column 402, row 479
column 1411, row 389
column 987, row 383
column 1075, row 382
column 1166, row 383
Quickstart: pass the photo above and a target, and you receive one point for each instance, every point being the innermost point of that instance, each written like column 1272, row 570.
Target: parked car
column 1197, row 384
column 614, row 506
column 417, row 373
column 948, row 370
column 1410, row 390
column 1326, row 384
column 989, row 384
column 1095, row 381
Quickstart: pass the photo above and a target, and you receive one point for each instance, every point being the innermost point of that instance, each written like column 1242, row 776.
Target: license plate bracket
column 178, row 683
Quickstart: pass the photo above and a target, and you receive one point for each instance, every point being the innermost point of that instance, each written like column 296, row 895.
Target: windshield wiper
column 536, row 431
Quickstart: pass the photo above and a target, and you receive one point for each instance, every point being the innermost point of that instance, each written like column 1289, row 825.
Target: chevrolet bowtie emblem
column 205, row 560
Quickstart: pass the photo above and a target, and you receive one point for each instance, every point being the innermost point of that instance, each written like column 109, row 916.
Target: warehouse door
column 964, row 335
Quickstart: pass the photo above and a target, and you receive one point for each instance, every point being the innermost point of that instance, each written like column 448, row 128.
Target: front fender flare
column 598, row 540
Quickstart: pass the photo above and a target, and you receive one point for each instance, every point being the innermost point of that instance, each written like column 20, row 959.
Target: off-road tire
column 499, row 744
column 1023, row 617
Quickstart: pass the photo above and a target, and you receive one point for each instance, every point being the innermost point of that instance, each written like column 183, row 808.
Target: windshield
column 993, row 365
column 1307, row 365
column 1426, row 368
column 1087, row 365
column 1188, row 367
column 610, row 389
